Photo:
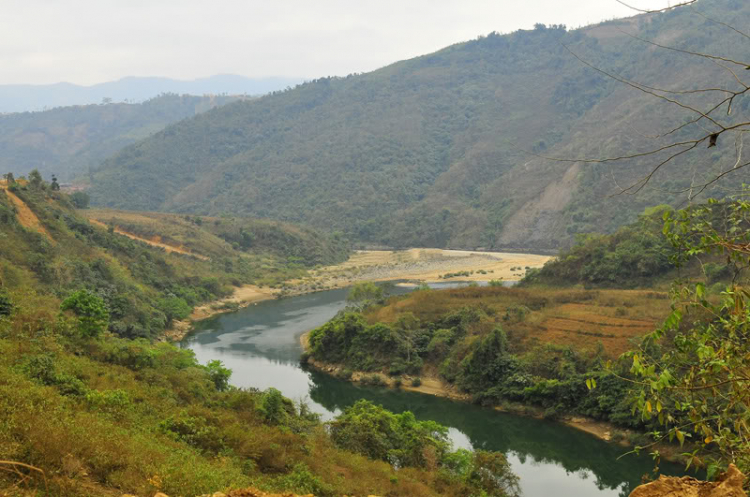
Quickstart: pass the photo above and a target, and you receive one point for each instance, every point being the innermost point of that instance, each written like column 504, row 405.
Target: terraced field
column 580, row 324
column 578, row 318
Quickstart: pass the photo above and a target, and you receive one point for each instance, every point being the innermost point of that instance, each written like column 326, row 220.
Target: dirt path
column 25, row 216
column 154, row 242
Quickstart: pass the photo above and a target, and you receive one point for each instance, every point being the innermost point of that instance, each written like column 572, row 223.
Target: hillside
column 90, row 406
column 496, row 345
column 31, row 98
column 68, row 141
column 50, row 249
column 433, row 151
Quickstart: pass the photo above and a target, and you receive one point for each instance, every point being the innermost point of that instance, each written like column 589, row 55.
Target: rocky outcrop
column 728, row 485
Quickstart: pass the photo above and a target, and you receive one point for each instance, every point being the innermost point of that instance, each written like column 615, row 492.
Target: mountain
column 50, row 247
column 23, row 98
column 78, row 304
column 439, row 150
column 67, row 141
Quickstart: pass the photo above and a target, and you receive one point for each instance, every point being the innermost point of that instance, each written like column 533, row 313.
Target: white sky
column 92, row 41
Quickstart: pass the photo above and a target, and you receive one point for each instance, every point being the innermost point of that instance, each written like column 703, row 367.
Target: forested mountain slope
column 90, row 406
column 435, row 151
column 66, row 141
column 48, row 248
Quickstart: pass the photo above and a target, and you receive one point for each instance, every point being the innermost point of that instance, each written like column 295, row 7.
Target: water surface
column 261, row 345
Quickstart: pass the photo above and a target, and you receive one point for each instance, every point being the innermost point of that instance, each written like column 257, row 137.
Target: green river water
column 261, row 345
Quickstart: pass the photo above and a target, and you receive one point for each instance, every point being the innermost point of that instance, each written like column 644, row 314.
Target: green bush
column 90, row 310
column 6, row 305
column 218, row 374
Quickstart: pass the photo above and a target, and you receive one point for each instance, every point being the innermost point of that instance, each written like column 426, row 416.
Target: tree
column 219, row 374
column 10, row 179
column 35, row 179
column 80, row 200
column 365, row 293
column 692, row 375
column 91, row 311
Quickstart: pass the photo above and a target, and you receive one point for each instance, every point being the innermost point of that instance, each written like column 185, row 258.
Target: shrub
column 274, row 407
column 6, row 305
column 80, row 200
column 90, row 310
column 218, row 374
column 416, row 382
column 174, row 308
column 373, row 379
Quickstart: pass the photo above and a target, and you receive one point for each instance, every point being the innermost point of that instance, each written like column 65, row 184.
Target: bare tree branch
column 683, row 4
column 687, row 52
column 742, row 33
column 641, row 87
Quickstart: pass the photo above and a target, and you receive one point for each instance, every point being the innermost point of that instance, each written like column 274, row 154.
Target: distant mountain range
column 23, row 98
column 68, row 141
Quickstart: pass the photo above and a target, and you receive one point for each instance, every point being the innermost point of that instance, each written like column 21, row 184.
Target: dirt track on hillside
column 153, row 242
column 25, row 216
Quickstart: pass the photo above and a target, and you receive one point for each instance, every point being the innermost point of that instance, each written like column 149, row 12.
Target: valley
column 514, row 266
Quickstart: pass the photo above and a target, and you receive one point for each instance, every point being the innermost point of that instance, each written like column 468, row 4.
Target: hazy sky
column 91, row 41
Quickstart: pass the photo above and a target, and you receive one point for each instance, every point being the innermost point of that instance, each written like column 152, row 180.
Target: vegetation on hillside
column 435, row 151
column 57, row 252
column 68, row 141
column 635, row 255
column 92, row 414
column 226, row 236
column 501, row 345
column 92, row 406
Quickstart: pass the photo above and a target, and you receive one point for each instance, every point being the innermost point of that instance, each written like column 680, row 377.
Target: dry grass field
column 578, row 318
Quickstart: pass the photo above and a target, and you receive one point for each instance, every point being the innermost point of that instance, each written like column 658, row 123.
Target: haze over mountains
column 23, row 98
column 68, row 141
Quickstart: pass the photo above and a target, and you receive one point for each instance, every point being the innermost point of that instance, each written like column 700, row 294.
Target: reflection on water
column 261, row 346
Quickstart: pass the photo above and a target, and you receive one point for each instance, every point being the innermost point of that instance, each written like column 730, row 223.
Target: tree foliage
column 92, row 313
column 402, row 441
column 693, row 373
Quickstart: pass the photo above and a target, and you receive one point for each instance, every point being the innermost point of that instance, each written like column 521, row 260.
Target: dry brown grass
column 25, row 216
column 576, row 318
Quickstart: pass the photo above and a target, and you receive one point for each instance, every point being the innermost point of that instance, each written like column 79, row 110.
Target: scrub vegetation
column 92, row 405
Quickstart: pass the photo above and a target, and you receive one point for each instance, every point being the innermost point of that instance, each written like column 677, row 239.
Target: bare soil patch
column 25, row 216
column 154, row 241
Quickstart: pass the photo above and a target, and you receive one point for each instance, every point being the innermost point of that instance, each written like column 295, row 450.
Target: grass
column 566, row 317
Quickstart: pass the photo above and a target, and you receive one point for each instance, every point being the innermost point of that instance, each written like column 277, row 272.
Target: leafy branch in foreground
column 693, row 374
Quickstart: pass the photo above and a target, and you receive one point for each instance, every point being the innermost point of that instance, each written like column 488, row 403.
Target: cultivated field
column 578, row 318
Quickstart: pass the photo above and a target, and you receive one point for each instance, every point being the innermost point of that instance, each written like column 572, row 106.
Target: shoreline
column 419, row 265
column 242, row 297
column 602, row 430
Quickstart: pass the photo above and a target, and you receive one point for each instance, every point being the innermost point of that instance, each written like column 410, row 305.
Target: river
column 261, row 345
